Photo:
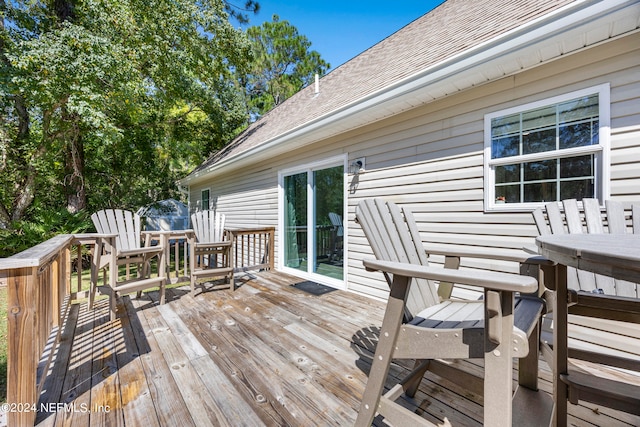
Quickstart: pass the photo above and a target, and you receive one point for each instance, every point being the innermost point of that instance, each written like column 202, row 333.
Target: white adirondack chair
column 210, row 248
column 120, row 244
column 417, row 325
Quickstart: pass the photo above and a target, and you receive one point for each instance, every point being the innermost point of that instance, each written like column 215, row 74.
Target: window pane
column 506, row 125
column 508, row 193
column 535, row 171
column 576, row 167
column 540, row 192
column 539, row 118
column 579, row 134
column 505, row 147
column 577, row 189
column 539, row 141
column 508, row 173
column 578, row 109
column 205, row 200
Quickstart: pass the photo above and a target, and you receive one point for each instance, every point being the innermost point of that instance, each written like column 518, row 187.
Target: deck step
column 592, row 388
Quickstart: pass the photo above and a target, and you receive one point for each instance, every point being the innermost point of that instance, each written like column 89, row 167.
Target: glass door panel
column 313, row 231
column 328, row 197
column 295, row 220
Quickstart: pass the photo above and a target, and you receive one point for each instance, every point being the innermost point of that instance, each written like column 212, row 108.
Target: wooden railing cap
column 37, row 255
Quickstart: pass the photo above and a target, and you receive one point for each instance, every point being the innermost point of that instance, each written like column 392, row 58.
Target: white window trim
column 602, row 172
column 309, row 167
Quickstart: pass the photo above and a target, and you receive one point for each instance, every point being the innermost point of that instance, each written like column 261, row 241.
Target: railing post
column 271, row 249
column 38, row 282
column 22, row 361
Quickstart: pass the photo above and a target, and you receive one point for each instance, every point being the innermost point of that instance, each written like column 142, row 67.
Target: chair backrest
column 614, row 219
column 125, row 224
column 393, row 236
column 208, row 226
column 336, row 221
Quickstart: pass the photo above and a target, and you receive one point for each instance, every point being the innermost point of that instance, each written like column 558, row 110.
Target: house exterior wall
column 431, row 159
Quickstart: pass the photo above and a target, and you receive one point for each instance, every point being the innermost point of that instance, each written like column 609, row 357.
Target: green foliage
column 282, row 65
column 109, row 102
column 45, row 224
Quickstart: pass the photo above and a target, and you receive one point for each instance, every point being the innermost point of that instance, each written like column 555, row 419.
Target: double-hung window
column 549, row 150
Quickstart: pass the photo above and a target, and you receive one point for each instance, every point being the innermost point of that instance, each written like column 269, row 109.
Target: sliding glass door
column 313, row 233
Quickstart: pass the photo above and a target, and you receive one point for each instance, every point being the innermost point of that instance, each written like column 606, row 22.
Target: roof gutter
column 544, row 29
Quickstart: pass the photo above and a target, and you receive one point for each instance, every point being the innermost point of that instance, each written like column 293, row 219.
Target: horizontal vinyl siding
column 625, row 135
column 430, row 159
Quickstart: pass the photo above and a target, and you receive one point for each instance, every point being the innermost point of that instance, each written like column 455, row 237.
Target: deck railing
column 38, row 296
column 253, row 248
column 38, row 289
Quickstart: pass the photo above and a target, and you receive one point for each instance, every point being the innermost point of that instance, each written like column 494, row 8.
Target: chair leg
column 415, row 378
column 528, row 366
column 112, row 304
column 93, row 281
column 192, row 268
column 162, row 272
column 498, row 363
column 384, row 351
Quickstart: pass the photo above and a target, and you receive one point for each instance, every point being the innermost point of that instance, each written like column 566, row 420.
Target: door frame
column 340, row 160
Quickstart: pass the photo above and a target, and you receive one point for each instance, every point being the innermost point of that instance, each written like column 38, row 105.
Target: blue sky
column 342, row 29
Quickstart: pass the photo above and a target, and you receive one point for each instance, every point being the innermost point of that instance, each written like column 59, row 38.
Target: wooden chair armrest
column 522, row 257
column 140, row 251
column 487, row 279
column 213, row 244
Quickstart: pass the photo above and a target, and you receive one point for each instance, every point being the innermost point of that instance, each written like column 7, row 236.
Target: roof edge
column 554, row 24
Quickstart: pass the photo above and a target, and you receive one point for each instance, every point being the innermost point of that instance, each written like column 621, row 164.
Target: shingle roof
column 446, row 31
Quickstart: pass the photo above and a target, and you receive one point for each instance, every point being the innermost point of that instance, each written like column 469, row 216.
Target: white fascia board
column 577, row 17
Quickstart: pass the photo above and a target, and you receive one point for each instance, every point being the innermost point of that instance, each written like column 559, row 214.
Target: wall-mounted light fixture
column 357, row 166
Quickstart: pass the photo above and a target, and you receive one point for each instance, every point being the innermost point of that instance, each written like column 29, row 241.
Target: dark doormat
column 313, row 287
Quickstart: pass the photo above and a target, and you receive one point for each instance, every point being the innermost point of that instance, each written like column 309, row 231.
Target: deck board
column 170, row 407
column 266, row 354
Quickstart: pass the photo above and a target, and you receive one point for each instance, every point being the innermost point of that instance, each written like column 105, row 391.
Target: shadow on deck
column 266, row 354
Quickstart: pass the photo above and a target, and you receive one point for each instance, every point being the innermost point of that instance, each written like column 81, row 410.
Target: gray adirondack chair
column 210, row 248
column 605, row 330
column 125, row 248
column 418, row 325
column 592, row 220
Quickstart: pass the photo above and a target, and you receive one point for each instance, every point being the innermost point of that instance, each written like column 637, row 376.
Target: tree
column 282, row 65
column 111, row 98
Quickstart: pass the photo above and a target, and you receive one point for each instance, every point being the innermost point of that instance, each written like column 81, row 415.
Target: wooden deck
column 266, row 354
